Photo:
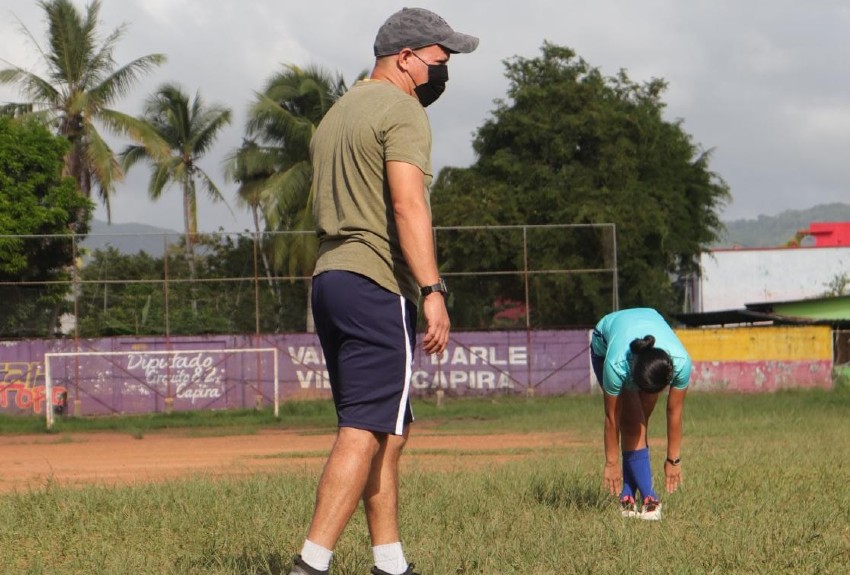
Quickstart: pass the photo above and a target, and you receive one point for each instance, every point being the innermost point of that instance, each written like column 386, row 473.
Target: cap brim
column 459, row 43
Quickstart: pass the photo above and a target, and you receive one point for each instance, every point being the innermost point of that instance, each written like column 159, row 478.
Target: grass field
column 765, row 492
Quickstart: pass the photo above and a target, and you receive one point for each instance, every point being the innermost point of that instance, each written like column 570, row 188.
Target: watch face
column 440, row 287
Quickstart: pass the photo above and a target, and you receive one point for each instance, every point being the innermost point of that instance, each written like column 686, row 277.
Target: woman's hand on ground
column 673, row 475
column 612, row 478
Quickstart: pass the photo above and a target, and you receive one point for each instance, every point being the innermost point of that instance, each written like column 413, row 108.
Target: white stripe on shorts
column 408, row 363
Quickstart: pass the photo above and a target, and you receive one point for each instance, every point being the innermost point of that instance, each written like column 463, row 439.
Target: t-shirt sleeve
column 598, row 345
column 682, row 373
column 407, row 136
column 612, row 380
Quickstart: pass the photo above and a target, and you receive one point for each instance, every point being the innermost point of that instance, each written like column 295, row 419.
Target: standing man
column 371, row 158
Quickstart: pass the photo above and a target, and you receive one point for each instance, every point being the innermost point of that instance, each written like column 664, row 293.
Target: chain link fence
column 500, row 277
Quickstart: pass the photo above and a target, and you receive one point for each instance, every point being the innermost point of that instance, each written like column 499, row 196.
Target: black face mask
column 438, row 75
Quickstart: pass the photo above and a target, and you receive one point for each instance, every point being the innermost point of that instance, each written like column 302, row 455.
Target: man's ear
column 403, row 58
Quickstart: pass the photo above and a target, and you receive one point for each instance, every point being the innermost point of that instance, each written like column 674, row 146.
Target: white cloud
column 762, row 82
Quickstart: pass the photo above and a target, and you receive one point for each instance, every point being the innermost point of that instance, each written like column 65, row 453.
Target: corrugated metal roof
column 828, row 310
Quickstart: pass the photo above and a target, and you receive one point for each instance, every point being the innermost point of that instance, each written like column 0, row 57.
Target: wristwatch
column 440, row 287
column 675, row 461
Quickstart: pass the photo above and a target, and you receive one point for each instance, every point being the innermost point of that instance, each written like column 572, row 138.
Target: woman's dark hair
column 652, row 369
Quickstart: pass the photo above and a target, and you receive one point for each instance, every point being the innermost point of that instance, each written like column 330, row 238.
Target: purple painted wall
column 203, row 376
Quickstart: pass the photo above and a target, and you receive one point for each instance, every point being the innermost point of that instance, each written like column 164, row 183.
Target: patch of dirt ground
column 31, row 461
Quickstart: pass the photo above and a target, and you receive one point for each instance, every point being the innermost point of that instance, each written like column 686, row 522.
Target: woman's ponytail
column 640, row 344
column 652, row 369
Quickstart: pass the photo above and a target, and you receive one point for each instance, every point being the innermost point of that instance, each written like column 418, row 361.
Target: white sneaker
column 628, row 508
column 651, row 510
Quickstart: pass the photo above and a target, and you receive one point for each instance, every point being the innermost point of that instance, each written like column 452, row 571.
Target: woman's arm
column 612, row 475
column 675, row 406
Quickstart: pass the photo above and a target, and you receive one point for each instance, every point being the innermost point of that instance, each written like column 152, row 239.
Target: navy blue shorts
column 367, row 335
column 598, row 363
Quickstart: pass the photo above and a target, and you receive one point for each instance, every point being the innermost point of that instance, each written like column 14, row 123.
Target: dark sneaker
column 299, row 567
column 651, row 510
column 628, row 508
column 376, row 571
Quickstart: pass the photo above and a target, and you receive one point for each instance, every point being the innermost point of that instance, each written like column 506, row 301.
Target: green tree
column 81, row 83
column 187, row 130
column 273, row 165
column 37, row 210
column 124, row 294
column 121, row 295
column 570, row 146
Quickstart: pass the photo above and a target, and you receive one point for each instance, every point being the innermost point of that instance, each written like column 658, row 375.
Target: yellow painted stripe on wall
column 758, row 343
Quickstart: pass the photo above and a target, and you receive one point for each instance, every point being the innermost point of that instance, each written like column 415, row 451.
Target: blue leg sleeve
column 636, row 465
column 629, row 482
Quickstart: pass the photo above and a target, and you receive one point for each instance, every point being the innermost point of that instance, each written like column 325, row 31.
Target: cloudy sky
column 764, row 83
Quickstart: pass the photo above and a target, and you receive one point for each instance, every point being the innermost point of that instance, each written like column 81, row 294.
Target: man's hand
column 437, row 323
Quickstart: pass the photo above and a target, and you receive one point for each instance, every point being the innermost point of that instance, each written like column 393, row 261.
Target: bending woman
column 635, row 355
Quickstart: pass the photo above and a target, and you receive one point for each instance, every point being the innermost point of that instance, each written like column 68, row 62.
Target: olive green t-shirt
column 373, row 123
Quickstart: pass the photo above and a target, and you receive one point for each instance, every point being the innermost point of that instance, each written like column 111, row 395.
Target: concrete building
column 732, row 278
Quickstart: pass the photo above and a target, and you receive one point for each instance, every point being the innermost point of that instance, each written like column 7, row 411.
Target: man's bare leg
column 380, row 500
column 342, row 484
column 380, row 496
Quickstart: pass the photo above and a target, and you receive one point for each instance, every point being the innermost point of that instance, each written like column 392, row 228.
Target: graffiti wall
column 475, row 363
column 22, row 387
column 140, row 375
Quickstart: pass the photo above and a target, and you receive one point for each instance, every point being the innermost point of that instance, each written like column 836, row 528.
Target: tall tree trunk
column 190, row 225
column 266, row 265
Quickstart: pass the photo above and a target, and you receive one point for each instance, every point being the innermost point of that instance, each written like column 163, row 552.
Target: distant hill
column 762, row 232
column 128, row 238
column 778, row 230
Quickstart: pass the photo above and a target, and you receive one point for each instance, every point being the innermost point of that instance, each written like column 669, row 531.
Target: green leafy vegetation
column 35, row 201
column 570, row 146
column 83, row 80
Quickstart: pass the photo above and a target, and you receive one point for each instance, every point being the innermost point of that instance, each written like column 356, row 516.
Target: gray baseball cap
column 416, row 28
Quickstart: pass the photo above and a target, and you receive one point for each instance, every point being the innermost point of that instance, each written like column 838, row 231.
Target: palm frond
column 137, row 129
column 206, row 126
column 132, row 155
column 32, row 86
column 102, row 163
column 120, row 81
column 212, row 190
column 164, row 173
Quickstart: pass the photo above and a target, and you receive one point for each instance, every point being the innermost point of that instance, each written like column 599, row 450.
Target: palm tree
column 273, row 165
column 81, row 82
column 251, row 167
column 187, row 130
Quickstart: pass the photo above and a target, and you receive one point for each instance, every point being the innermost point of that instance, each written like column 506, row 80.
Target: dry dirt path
column 30, row 461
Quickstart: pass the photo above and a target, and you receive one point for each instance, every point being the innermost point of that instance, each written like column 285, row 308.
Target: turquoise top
column 614, row 333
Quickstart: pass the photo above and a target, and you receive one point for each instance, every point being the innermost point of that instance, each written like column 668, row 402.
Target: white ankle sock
column 316, row 556
column 390, row 558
